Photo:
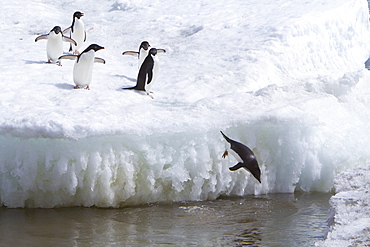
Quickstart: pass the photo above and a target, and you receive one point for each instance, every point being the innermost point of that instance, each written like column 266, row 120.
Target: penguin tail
column 227, row 138
column 128, row 88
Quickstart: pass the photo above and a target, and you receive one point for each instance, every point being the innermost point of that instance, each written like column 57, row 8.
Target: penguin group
column 148, row 66
column 148, row 62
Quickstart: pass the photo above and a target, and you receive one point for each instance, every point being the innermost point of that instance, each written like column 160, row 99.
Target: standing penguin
column 244, row 156
column 54, row 46
column 77, row 32
column 142, row 53
column 82, row 70
column 148, row 72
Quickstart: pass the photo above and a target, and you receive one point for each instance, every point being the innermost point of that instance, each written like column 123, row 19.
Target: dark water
column 268, row 220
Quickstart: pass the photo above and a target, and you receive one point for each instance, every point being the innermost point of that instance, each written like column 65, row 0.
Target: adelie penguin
column 77, row 32
column 54, row 46
column 82, row 70
column 147, row 73
column 142, row 53
column 244, row 156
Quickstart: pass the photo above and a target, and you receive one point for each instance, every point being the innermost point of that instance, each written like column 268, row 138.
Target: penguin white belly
column 54, row 47
column 78, row 34
column 82, row 70
column 237, row 157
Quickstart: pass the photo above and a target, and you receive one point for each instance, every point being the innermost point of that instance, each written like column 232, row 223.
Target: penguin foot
column 78, row 87
column 49, row 61
column 59, row 63
column 226, row 153
column 76, row 52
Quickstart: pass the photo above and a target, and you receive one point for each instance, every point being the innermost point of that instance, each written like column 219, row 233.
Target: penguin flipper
column 70, row 57
column 132, row 53
column 85, row 37
column 150, row 76
column 236, row 167
column 161, row 50
column 99, row 60
column 67, row 39
column 44, row 36
column 66, row 30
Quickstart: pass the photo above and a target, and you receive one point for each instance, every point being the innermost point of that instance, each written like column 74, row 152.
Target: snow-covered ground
column 286, row 78
column 350, row 219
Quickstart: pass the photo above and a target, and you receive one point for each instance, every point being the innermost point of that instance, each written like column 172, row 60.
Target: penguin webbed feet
column 78, row 87
column 59, row 63
column 150, row 94
column 226, row 153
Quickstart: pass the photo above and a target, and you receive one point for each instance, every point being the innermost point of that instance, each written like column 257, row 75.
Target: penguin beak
column 100, row 48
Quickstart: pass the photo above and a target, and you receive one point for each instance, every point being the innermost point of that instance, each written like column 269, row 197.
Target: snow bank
column 350, row 222
column 285, row 78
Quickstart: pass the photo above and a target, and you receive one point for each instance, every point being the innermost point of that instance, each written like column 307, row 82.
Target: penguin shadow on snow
column 42, row 61
column 64, row 86
column 35, row 62
column 125, row 77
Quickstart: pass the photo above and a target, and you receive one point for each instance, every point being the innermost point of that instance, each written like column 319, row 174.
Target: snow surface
column 286, row 78
column 350, row 224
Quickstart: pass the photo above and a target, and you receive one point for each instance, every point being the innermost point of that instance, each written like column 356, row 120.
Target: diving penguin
column 82, row 70
column 142, row 53
column 77, row 32
column 244, row 156
column 148, row 72
column 54, row 46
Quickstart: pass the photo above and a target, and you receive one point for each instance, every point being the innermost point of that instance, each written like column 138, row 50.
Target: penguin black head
column 94, row 47
column 56, row 30
column 145, row 45
column 78, row 15
column 153, row 51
